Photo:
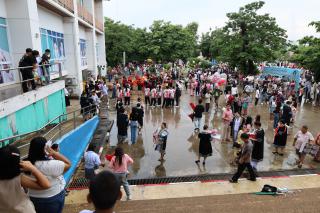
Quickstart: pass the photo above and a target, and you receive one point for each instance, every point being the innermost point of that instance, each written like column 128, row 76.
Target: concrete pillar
column 23, row 28
column 91, row 51
column 72, row 50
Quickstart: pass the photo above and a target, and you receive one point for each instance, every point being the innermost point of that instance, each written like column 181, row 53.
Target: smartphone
column 48, row 145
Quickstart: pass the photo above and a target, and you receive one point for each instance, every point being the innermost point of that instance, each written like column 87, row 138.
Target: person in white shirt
column 301, row 140
column 127, row 96
column 153, row 97
column 257, row 96
column 234, row 90
column 207, row 97
column 147, row 96
column 50, row 200
column 91, row 162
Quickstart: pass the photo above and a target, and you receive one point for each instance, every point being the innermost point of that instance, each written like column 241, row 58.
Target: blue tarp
column 73, row 144
column 282, row 72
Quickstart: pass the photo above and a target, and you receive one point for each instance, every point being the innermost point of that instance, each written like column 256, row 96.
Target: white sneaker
column 129, row 198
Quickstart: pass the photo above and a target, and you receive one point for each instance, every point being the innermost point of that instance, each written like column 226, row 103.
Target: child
column 104, row 192
column 239, row 143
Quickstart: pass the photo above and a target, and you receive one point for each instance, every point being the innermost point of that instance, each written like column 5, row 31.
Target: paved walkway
column 216, row 197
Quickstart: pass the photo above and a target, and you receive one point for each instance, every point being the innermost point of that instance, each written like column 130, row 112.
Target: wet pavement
column 182, row 144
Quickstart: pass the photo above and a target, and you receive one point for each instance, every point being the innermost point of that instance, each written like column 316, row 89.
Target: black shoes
column 233, row 181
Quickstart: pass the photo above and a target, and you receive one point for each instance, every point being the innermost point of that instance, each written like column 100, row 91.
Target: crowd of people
column 218, row 89
column 240, row 94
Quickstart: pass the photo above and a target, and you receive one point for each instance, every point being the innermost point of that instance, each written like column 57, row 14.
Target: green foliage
column 247, row 38
column 307, row 52
column 162, row 42
column 199, row 63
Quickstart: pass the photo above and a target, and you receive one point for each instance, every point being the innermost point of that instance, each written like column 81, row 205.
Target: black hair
column 244, row 136
column 47, row 50
column 164, row 124
column 35, row 53
column 36, row 149
column 104, row 190
column 91, row 147
column 258, row 118
column 200, row 101
column 257, row 123
column 248, row 120
column 54, row 146
column 9, row 162
column 28, row 50
column 205, row 127
column 119, row 155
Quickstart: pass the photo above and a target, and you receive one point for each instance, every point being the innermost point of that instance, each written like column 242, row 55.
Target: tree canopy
column 163, row 41
column 247, row 38
column 307, row 52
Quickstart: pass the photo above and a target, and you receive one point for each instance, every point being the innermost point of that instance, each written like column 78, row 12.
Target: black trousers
column 159, row 101
column 147, row 100
column 153, row 101
column 27, row 75
column 207, row 107
column 241, row 168
column 165, row 102
column 177, row 101
column 126, row 100
column 256, row 102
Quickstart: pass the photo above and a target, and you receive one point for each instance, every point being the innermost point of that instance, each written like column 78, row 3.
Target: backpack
column 268, row 188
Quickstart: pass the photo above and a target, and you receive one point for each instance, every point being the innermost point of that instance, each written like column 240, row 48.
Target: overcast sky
column 292, row 15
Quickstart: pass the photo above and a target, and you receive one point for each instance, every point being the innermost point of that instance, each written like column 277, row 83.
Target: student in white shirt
column 257, row 96
column 153, row 96
column 91, row 162
column 302, row 138
column 50, row 200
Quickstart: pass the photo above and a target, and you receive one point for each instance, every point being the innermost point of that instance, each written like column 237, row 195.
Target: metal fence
column 12, row 79
column 53, row 130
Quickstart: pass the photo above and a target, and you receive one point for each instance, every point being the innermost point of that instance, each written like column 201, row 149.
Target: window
column 5, row 59
column 83, row 52
column 53, row 41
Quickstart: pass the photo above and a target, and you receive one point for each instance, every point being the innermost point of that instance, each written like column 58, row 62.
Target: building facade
column 73, row 30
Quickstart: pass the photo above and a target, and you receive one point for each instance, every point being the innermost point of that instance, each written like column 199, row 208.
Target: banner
column 5, row 59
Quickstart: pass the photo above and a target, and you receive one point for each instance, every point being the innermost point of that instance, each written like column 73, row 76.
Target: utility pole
column 124, row 59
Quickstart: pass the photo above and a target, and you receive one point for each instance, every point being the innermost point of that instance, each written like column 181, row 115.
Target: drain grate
column 82, row 183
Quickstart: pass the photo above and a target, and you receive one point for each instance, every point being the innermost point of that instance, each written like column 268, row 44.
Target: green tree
column 307, row 52
column 247, row 39
column 162, row 42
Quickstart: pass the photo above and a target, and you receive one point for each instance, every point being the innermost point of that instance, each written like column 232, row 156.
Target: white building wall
column 49, row 20
column 3, row 13
column 26, row 17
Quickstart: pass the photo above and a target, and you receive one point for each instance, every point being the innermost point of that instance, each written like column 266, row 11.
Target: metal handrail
column 40, row 129
column 43, row 65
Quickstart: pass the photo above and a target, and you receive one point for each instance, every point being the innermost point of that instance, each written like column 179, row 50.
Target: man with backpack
column 27, row 64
